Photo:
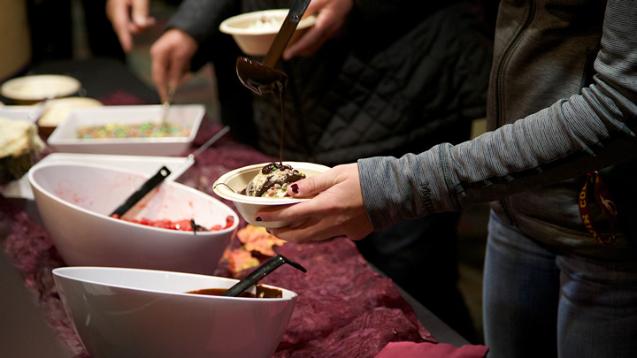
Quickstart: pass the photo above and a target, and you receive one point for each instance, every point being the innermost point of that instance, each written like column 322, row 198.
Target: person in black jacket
column 385, row 79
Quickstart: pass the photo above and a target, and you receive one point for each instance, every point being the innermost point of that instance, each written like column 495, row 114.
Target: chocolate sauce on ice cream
column 273, row 180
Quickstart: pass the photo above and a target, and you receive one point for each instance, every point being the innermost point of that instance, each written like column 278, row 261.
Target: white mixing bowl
column 142, row 313
column 75, row 201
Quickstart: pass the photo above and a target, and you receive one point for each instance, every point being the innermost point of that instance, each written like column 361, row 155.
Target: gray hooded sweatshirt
column 563, row 97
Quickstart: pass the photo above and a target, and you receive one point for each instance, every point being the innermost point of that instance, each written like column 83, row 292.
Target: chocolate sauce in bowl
column 261, row 292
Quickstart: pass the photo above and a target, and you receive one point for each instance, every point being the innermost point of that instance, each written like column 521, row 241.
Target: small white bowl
column 230, row 185
column 75, row 201
column 255, row 31
column 122, row 312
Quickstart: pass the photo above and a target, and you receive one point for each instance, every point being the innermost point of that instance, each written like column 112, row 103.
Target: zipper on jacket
column 499, row 85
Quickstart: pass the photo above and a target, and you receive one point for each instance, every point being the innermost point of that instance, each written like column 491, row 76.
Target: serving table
column 345, row 307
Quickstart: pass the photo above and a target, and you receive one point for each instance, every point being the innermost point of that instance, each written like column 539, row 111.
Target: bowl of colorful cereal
column 134, row 130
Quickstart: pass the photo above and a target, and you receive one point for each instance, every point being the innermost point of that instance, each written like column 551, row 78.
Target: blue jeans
column 541, row 303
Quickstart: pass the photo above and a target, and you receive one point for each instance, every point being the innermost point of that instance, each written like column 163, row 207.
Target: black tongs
column 262, row 77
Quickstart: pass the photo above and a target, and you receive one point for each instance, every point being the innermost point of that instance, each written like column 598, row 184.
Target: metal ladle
column 262, row 77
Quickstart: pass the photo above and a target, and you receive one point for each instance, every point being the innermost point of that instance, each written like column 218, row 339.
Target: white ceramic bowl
column 144, row 313
column 255, row 31
column 74, row 201
column 230, row 185
column 64, row 137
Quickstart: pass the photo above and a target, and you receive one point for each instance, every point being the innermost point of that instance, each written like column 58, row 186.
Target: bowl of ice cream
column 121, row 312
column 255, row 31
column 76, row 201
column 256, row 186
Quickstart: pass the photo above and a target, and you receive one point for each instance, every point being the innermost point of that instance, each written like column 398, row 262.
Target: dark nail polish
column 258, row 218
column 295, row 188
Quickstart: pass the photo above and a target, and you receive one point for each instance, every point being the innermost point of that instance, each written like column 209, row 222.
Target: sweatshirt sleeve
column 589, row 130
column 201, row 18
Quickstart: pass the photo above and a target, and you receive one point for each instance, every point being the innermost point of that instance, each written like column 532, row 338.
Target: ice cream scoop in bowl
column 235, row 186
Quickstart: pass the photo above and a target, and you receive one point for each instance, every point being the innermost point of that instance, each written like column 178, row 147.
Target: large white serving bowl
column 230, row 185
column 254, row 31
column 122, row 312
column 75, row 201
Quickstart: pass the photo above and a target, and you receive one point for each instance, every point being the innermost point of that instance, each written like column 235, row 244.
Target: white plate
column 142, row 164
column 64, row 138
column 39, row 87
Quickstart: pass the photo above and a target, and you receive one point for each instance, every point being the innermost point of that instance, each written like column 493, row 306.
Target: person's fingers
column 179, row 64
column 171, row 55
column 311, row 186
column 125, row 39
column 309, row 231
column 307, row 44
column 139, row 12
column 133, row 28
column 318, row 228
column 330, row 19
column 295, row 213
column 315, row 6
column 159, row 69
column 313, row 38
column 117, row 11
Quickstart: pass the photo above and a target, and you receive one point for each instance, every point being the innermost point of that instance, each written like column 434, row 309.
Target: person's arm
column 589, row 130
column 586, row 131
column 201, row 18
column 185, row 45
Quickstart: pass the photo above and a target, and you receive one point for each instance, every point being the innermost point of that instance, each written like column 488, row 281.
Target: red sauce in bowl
column 179, row 225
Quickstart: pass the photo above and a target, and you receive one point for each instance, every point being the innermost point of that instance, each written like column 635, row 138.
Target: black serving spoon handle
column 144, row 189
column 260, row 272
